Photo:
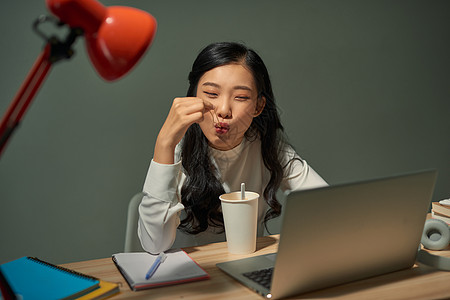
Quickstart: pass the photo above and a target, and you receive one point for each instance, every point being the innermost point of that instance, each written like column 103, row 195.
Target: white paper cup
column 241, row 220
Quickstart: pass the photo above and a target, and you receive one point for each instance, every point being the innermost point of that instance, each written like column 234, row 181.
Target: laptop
column 338, row 234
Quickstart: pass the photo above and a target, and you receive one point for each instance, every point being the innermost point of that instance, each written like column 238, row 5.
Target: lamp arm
column 53, row 51
column 24, row 96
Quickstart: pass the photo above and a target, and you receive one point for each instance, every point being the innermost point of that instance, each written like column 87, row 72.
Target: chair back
column 132, row 243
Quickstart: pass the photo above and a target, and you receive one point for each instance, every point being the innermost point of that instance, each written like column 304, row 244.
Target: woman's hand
column 183, row 113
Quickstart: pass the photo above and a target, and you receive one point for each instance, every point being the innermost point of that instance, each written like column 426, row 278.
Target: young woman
column 225, row 132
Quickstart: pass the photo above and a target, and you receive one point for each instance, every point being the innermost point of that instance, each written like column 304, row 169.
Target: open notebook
column 178, row 267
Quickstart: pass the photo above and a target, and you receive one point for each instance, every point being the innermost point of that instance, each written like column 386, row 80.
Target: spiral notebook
column 178, row 267
column 32, row 278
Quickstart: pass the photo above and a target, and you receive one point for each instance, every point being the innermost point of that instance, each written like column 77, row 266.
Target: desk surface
column 416, row 283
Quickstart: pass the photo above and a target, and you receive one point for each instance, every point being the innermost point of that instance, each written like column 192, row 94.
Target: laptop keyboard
column 262, row 277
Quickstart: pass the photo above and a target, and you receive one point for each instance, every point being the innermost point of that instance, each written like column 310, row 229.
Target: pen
column 159, row 260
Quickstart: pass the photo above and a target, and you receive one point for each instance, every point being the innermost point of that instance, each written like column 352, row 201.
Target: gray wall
column 362, row 86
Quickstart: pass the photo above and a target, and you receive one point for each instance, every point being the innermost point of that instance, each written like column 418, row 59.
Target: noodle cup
column 241, row 219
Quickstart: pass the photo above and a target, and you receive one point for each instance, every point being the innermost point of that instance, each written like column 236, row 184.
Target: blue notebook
column 32, row 278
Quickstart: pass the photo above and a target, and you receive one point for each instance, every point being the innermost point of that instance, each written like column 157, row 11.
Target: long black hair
column 201, row 190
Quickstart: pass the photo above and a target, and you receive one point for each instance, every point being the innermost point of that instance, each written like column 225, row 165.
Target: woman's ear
column 260, row 104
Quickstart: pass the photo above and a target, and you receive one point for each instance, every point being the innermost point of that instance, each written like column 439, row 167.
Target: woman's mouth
column 221, row 127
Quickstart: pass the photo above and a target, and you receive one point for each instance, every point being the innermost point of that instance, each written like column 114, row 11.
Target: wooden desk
column 416, row 283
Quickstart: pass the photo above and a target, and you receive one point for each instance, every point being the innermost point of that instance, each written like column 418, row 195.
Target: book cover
column 32, row 278
column 438, row 216
column 441, row 209
column 178, row 267
column 105, row 290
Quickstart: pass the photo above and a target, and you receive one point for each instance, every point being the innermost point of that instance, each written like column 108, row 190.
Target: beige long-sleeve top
column 161, row 207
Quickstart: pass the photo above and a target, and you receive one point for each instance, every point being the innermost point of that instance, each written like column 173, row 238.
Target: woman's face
column 231, row 89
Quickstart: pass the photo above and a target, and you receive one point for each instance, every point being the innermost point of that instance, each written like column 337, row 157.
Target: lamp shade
column 116, row 36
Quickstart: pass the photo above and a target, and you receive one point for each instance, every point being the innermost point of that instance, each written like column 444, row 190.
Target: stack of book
column 441, row 210
column 32, row 278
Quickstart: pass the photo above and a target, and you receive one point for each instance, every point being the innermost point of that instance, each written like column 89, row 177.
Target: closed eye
column 242, row 98
column 210, row 95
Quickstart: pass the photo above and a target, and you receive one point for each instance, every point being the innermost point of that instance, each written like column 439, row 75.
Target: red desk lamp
column 116, row 38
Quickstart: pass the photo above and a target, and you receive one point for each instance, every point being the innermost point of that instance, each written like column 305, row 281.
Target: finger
column 188, row 105
column 208, row 105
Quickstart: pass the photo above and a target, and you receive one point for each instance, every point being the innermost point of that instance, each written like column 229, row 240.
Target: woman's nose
column 224, row 109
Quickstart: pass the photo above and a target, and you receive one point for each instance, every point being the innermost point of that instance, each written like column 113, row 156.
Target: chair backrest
column 132, row 243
